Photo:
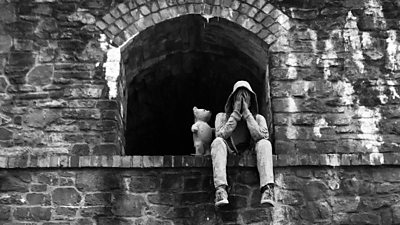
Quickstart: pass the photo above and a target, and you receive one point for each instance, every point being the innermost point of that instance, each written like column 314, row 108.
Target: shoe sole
column 223, row 202
column 268, row 202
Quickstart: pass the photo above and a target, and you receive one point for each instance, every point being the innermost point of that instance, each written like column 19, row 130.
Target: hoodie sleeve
column 224, row 127
column 257, row 126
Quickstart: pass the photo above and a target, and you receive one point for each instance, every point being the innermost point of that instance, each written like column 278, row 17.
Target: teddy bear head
column 201, row 114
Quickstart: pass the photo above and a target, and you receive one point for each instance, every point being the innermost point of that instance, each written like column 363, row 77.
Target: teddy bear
column 202, row 132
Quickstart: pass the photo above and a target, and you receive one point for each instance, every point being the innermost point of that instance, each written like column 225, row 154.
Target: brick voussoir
column 284, row 160
column 253, row 19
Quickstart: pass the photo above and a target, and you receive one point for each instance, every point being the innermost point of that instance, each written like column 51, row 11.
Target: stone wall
column 333, row 68
column 52, row 89
column 184, row 195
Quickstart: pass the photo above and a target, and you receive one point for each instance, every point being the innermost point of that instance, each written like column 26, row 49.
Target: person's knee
column 217, row 145
column 264, row 144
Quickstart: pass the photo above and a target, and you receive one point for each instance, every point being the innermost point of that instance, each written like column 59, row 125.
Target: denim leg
column 264, row 162
column 219, row 154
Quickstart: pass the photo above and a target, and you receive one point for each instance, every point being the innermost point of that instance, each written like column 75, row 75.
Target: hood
column 238, row 85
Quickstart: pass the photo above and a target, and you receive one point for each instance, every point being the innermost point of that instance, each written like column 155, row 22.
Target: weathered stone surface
column 48, row 178
column 66, row 211
column 5, row 213
column 38, row 199
column 106, row 221
column 98, row 199
column 255, row 215
column 41, row 118
column 14, row 182
column 32, row 214
column 80, row 149
column 96, row 211
column 128, row 205
column 5, row 134
column 3, row 84
column 161, row 198
column 66, row 196
column 316, row 190
column 83, row 17
column 12, row 199
column 144, row 184
column 97, row 181
column 40, row 75
column 7, row 13
column 5, row 43
column 106, row 149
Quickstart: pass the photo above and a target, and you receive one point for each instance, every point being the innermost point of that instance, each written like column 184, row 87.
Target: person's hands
column 237, row 106
column 245, row 106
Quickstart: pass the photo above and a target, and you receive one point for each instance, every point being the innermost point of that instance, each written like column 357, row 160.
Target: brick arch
column 127, row 19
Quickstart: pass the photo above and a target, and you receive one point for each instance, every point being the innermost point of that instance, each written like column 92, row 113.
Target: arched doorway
column 184, row 62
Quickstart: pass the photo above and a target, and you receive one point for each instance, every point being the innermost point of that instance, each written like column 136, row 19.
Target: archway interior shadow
column 179, row 64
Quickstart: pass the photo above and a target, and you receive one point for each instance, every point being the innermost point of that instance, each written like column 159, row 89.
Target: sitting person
column 238, row 129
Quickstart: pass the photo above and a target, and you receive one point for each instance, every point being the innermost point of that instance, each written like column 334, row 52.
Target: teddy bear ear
column 194, row 108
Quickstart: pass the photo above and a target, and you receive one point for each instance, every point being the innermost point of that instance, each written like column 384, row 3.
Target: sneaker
column 268, row 196
column 221, row 197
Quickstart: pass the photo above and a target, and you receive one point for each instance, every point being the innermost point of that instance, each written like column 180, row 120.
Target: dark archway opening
column 179, row 64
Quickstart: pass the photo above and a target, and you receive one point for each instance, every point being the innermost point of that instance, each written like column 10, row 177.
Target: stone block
column 194, row 198
column 365, row 218
column 248, row 177
column 66, row 211
column 96, row 211
column 171, row 182
column 5, row 43
column 15, row 182
column 101, row 25
column 5, row 134
column 192, row 184
column 66, row 196
column 3, row 84
column 32, row 214
column 144, row 184
column 161, row 198
column 256, row 215
column 128, row 205
column 268, row 8
column 38, row 187
column 40, row 118
column 97, row 181
column 110, row 220
column 152, row 161
column 12, row 199
column 5, row 213
column 81, row 113
column 38, row 199
column 106, row 149
column 3, row 162
column 98, row 199
column 48, row 178
column 80, row 149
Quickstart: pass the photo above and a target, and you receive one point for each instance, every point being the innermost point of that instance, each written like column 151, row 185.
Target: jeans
column 219, row 154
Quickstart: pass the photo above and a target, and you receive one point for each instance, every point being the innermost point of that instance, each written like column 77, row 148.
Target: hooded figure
column 241, row 128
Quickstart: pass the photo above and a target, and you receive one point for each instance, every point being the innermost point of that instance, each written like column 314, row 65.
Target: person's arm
column 224, row 127
column 257, row 126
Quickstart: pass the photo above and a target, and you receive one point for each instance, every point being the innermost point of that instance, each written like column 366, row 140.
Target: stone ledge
column 27, row 161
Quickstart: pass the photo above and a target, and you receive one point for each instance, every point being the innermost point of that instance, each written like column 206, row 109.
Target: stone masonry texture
column 305, row 195
column 332, row 93
column 333, row 71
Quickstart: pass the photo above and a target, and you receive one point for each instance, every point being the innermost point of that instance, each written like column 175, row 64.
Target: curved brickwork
column 127, row 19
